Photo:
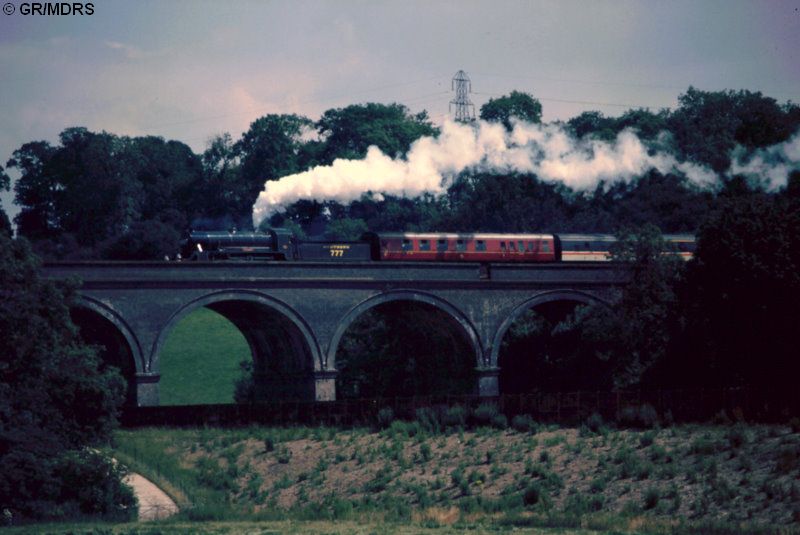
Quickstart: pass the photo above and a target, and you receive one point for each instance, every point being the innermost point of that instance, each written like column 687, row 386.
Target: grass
column 208, row 338
column 409, row 474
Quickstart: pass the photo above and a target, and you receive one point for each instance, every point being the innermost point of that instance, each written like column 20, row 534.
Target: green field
column 200, row 360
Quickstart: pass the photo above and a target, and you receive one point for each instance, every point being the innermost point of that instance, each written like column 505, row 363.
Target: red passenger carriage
column 445, row 247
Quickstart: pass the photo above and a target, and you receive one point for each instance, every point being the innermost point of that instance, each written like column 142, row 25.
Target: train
column 278, row 244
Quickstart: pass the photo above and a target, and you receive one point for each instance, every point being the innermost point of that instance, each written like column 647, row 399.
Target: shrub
column 455, row 416
column 737, row 436
column 651, row 497
column 485, row 413
column 594, row 423
column 534, row 493
column 425, row 452
column 646, row 439
column 499, row 421
column 385, row 417
column 787, row 459
column 428, row 420
column 794, row 423
column 642, row 417
column 524, row 423
column 704, row 446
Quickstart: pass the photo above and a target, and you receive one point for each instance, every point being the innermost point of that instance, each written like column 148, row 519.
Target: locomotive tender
column 281, row 244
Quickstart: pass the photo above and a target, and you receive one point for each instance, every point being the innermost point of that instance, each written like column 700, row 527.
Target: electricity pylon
column 465, row 110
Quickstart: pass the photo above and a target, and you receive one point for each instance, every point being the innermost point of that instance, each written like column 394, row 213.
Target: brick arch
column 269, row 304
column 113, row 317
column 404, row 295
column 533, row 302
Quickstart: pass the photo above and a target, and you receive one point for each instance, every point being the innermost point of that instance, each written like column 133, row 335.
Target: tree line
column 100, row 195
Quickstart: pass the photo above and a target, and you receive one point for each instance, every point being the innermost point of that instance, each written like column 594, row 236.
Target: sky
column 191, row 69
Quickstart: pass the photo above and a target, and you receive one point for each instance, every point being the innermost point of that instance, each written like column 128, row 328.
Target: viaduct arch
column 311, row 305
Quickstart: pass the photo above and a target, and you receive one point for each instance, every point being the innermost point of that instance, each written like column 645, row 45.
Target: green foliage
column 385, row 417
column 268, row 150
column 455, row 417
column 651, row 498
column 524, row 423
column 97, row 187
column 741, row 286
column 349, row 131
column 56, row 399
column 640, row 417
column 5, row 223
column 520, row 105
column 708, row 124
column 404, row 348
column 346, row 229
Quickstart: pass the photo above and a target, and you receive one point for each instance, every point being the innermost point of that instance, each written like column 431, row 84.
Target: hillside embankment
column 739, row 478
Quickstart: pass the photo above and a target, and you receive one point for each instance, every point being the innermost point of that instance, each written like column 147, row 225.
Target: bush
column 794, row 423
column 499, row 421
column 455, row 416
column 524, row 423
column 385, row 417
column 737, row 436
column 485, row 413
column 428, row 420
column 651, row 497
column 594, row 423
column 534, row 493
column 642, row 417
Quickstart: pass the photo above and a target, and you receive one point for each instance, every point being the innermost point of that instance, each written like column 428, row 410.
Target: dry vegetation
column 734, row 475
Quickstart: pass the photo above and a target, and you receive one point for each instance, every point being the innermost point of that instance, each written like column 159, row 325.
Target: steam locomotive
column 281, row 244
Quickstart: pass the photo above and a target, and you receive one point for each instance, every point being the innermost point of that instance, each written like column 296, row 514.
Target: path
column 154, row 504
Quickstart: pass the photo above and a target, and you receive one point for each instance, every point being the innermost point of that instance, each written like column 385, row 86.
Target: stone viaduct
column 294, row 314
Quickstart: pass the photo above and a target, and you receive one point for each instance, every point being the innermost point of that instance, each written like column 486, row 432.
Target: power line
column 586, row 102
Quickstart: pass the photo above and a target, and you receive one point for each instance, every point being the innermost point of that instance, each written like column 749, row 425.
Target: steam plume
column 549, row 151
column 771, row 165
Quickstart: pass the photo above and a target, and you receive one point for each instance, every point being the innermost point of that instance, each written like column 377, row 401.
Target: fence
column 681, row 405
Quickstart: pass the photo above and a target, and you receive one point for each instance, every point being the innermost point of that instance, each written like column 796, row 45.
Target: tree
column 5, row 223
column 346, row 229
column 742, row 289
column 56, row 400
column 595, row 124
column 520, row 105
column 404, row 348
column 35, row 191
column 219, row 191
column 349, row 132
column 708, row 125
column 268, row 150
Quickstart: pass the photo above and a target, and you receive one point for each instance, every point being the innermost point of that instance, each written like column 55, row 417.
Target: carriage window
column 480, row 245
column 546, row 246
column 408, row 245
column 503, row 246
column 532, row 246
column 441, row 245
column 424, row 245
column 521, row 246
column 460, row 245
column 511, row 246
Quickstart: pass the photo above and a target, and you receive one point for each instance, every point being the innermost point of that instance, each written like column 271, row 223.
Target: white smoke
column 772, row 165
column 549, row 151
